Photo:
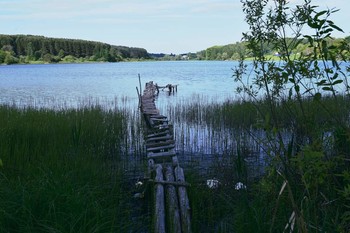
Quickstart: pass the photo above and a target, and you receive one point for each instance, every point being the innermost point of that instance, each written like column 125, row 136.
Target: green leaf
column 337, row 82
column 322, row 82
column 335, row 76
column 336, row 27
column 312, row 24
column 320, row 13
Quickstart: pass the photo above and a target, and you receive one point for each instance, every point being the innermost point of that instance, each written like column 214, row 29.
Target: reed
column 208, row 133
column 61, row 170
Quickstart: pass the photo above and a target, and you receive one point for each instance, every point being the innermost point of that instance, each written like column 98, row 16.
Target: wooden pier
column 172, row 208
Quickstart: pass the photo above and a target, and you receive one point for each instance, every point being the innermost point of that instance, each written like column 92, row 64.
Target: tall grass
column 61, row 171
column 245, row 155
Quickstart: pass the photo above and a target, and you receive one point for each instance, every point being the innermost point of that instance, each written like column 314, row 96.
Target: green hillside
column 40, row 49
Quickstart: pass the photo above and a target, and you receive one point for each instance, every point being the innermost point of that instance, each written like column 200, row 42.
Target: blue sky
column 168, row 26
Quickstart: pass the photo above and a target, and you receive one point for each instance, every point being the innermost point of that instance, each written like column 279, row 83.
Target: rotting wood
column 152, row 155
column 158, row 116
column 164, row 143
column 185, row 209
column 159, row 148
column 160, row 202
column 164, row 138
column 157, row 134
column 159, row 119
column 173, row 213
column 175, row 183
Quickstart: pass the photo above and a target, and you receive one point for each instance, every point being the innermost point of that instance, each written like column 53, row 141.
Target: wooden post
column 139, row 95
column 160, row 202
column 173, row 214
column 140, row 83
column 185, row 209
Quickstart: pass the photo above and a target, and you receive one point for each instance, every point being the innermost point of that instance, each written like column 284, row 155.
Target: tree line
column 31, row 49
column 240, row 50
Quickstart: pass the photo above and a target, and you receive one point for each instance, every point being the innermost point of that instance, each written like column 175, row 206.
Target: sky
column 159, row 26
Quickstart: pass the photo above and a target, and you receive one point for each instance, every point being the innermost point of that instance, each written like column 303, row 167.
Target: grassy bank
column 60, row 171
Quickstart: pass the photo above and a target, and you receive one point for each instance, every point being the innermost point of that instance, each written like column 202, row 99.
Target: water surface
column 70, row 85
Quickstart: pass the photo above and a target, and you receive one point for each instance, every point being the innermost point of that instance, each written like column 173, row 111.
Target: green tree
column 2, row 56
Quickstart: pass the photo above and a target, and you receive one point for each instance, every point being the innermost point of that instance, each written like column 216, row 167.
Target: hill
column 40, row 49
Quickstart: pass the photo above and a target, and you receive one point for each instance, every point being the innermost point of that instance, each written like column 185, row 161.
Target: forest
column 39, row 49
column 239, row 49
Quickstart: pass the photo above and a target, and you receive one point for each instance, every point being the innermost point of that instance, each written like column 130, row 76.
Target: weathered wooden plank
column 175, row 183
column 149, row 112
column 163, row 127
column 185, row 209
column 159, row 119
column 158, row 116
column 159, row 148
column 173, row 212
column 148, row 103
column 160, row 202
column 164, row 138
column 152, row 155
column 157, row 144
column 157, row 134
column 148, row 107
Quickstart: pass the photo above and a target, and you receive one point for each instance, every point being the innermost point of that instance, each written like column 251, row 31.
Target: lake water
column 73, row 85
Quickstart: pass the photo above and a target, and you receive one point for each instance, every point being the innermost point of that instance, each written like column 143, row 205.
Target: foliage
column 240, row 50
column 45, row 49
column 307, row 162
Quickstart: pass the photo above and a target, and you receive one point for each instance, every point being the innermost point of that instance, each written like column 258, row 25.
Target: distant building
column 184, row 57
